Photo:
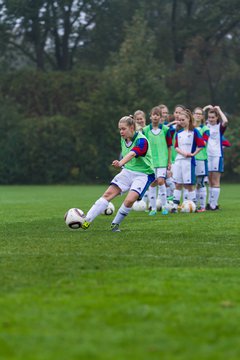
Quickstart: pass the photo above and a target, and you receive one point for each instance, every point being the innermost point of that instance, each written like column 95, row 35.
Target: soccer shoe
column 152, row 212
column 200, row 210
column 164, row 211
column 85, row 225
column 115, row 228
column 174, row 211
column 213, row 209
column 170, row 198
column 208, row 207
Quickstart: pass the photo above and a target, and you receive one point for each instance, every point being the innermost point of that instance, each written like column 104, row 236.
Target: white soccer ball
column 109, row 210
column 159, row 204
column 139, row 205
column 188, row 206
column 74, row 218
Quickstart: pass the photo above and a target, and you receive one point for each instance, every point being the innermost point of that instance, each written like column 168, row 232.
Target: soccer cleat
column 213, row 209
column 152, row 212
column 85, row 225
column 164, row 211
column 170, row 198
column 208, row 207
column 174, row 211
column 115, row 228
column 200, row 210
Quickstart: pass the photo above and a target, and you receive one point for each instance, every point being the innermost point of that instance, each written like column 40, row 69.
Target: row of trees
column 70, row 69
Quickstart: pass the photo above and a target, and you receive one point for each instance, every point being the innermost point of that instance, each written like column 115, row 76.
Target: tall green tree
column 48, row 32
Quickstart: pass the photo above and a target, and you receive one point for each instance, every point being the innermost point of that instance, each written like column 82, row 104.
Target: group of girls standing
column 147, row 159
column 196, row 154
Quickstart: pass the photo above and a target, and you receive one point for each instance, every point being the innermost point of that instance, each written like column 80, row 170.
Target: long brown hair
column 215, row 112
column 189, row 115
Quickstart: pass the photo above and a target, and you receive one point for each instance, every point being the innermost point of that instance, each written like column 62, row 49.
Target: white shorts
column 133, row 180
column 184, row 171
column 161, row 172
column 201, row 168
column 215, row 164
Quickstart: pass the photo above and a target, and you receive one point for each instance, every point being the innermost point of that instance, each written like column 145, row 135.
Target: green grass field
column 166, row 287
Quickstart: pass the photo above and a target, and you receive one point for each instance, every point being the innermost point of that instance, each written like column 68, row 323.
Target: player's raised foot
column 152, row 213
column 164, row 211
column 115, row 228
column 85, row 225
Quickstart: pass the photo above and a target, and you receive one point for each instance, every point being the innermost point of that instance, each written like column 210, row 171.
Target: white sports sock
column 192, row 196
column 185, row 194
column 162, row 194
column 209, row 194
column 214, row 197
column 123, row 211
column 145, row 197
column 177, row 195
column 152, row 197
column 170, row 186
column 202, row 197
column 99, row 206
column 198, row 196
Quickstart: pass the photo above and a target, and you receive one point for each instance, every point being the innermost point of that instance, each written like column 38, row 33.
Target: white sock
column 214, row 197
column 170, row 186
column 192, row 196
column 123, row 211
column 185, row 194
column 202, row 197
column 177, row 196
column 152, row 197
column 99, row 206
column 145, row 197
column 168, row 191
column 198, row 196
column 209, row 194
column 162, row 194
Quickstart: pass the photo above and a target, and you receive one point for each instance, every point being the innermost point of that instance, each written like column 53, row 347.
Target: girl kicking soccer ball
column 135, row 177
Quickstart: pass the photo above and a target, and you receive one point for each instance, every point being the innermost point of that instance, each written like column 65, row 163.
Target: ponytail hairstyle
column 128, row 120
column 189, row 115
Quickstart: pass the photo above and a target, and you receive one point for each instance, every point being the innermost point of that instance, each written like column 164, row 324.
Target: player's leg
column 215, row 170
column 120, row 183
column 100, row 205
column 152, row 196
column 201, row 193
column 215, row 190
column 162, row 190
column 139, row 186
column 178, row 179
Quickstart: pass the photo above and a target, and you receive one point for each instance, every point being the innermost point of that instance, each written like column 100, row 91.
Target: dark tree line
column 77, row 65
